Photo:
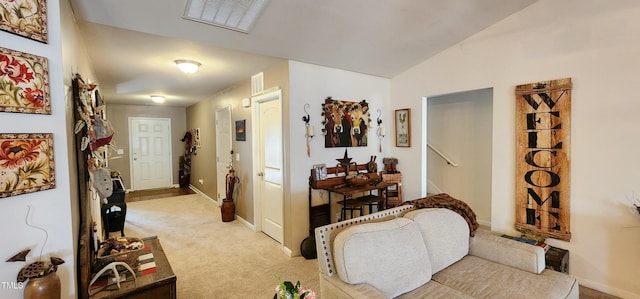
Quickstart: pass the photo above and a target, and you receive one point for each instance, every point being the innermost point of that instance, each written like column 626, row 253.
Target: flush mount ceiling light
column 187, row 66
column 238, row 15
column 157, row 99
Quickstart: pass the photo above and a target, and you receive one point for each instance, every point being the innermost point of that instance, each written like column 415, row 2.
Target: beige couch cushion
column 480, row 278
column 433, row 289
column 445, row 233
column 390, row 256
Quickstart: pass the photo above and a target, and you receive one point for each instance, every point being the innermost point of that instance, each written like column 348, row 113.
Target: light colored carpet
column 215, row 259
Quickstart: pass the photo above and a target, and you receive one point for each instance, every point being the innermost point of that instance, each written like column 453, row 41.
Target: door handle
column 135, row 157
column 260, row 173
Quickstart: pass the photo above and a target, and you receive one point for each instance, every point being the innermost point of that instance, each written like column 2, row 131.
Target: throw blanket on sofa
column 444, row 200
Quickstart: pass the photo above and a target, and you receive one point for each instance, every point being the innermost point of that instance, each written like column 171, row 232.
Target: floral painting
column 26, row 163
column 24, row 83
column 27, row 18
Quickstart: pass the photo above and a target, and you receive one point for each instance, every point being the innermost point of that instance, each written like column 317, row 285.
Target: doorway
column 459, row 130
column 150, row 144
column 268, row 161
column 223, row 149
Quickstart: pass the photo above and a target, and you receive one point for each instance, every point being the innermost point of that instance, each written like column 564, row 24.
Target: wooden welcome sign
column 543, row 126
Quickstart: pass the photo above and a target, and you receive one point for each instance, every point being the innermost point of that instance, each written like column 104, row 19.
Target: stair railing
column 443, row 156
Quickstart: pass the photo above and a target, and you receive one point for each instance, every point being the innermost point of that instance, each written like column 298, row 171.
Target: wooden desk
column 158, row 285
column 335, row 182
column 351, row 201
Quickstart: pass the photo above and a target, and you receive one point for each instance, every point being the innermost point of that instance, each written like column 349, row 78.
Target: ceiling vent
column 239, row 15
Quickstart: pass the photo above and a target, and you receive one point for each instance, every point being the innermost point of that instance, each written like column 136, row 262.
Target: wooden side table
column 395, row 193
column 557, row 259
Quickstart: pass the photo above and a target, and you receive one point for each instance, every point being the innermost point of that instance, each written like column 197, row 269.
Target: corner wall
column 595, row 43
column 56, row 210
column 459, row 126
column 301, row 83
column 312, row 84
column 202, row 115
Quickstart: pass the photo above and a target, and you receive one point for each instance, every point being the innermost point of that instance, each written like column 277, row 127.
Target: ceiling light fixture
column 187, row 66
column 157, row 99
column 238, row 15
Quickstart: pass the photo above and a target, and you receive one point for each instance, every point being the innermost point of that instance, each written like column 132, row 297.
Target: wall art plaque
column 543, row 127
column 27, row 18
column 26, row 163
column 24, row 83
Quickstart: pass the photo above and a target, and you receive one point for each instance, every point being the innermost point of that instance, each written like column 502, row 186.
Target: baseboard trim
column 606, row 289
column 485, row 223
column 192, row 187
column 246, row 223
column 287, row 251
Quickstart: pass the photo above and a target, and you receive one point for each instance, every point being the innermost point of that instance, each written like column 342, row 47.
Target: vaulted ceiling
column 132, row 44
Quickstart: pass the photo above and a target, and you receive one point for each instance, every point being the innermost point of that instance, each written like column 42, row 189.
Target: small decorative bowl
column 359, row 180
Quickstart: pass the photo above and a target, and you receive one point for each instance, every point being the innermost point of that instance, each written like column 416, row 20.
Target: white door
column 223, row 149
column 150, row 152
column 268, row 137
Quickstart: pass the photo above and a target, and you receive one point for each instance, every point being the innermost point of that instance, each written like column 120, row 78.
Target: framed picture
column 346, row 124
column 403, row 127
column 320, row 171
column 24, row 83
column 27, row 18
column 241, row 134
column 26, row 163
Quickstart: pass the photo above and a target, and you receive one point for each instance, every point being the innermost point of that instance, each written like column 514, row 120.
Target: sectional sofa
column 406, row 252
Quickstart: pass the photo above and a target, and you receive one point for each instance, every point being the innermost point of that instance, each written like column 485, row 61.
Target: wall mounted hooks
column 309, row 129
column 307, row 118
column 380, row 132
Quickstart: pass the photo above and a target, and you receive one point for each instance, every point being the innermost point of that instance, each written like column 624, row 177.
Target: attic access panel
column 238, row 15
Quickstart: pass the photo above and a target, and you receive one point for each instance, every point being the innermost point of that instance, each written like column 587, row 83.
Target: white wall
column 459, row 126
column 595, row 43
column 312, row 84
column 55, row 210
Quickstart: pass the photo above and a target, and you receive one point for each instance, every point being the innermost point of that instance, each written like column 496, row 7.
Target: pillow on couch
column 390, row 256
column 445, row 233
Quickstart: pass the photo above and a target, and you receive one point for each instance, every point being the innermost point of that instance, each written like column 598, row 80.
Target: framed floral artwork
column 27, row 18
column 26, row 163
column 403, row 127
column 24, row 83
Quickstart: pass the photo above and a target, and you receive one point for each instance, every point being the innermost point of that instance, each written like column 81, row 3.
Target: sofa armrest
column 507, row 252
column 331, row 287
